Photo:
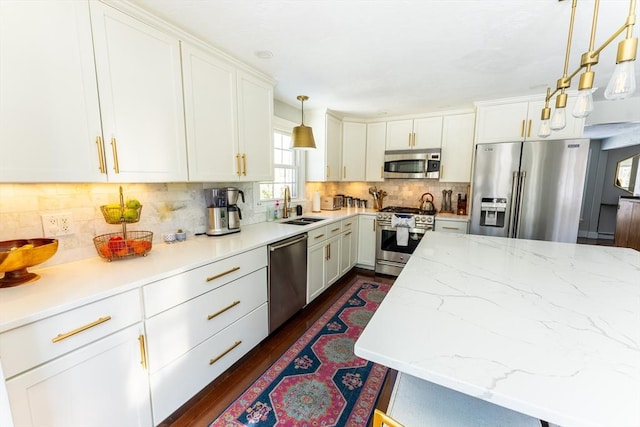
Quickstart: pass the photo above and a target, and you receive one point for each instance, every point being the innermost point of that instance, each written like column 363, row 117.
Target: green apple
column 133, row 204
column 130, row 214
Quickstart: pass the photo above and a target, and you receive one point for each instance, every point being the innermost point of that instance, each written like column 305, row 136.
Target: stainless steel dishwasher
column 287, row 279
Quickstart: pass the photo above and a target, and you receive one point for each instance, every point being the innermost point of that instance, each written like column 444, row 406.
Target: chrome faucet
column 285, row 202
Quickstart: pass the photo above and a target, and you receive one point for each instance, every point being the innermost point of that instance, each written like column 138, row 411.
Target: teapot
column 426, row 204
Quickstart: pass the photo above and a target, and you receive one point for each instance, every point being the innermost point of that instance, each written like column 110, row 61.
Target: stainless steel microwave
column 412, row 164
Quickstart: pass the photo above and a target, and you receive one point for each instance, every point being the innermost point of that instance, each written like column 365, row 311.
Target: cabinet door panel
column 399, row 134
column 332, row 261
column 457, row 148
column 334, row 149
column 376, row 136
column 354, row 145
column 101, row 384
column 210, row 112
column 140, row 85
column 428, row 132
column 367, row 240
column 49, row 114
column 502, row 123
column 315, row 271
column 255, row 128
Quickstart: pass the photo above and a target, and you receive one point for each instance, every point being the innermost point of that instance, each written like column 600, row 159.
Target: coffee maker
column 234, row 212
column 223, row 213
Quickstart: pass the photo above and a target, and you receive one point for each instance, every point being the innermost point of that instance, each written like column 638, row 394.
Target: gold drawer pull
column 224, row 273
column 66, row 335
column 335, row 229
column 102, row 168
column 114, row 150
column 319, row 236
column 348, row 224
column 143, row 352
column 218, row 313
column 224, row 353
column 347, row 234
column 450, row 228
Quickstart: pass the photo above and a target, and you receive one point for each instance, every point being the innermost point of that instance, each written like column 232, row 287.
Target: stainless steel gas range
column 398, row 232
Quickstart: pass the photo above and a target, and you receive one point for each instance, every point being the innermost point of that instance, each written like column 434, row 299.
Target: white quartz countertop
column 67, row 286
column 548, row 329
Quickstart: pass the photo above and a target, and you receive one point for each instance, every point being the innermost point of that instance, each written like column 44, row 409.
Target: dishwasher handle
column 286, row 243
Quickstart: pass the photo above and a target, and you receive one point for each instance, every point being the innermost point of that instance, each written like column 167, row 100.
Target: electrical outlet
column 58, row 224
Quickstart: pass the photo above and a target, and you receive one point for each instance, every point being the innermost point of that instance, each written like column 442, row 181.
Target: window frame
column 285, row 126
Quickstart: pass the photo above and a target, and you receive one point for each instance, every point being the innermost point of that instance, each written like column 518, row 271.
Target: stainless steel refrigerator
column 529, row 190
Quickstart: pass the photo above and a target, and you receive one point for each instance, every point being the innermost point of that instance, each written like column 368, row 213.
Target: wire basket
column 116, row 214
column 123, row 245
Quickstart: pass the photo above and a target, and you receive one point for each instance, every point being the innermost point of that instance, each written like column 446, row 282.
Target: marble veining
column 548, row 329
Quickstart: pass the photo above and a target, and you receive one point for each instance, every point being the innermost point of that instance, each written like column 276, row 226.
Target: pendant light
column 302, row 136
column 545, row 129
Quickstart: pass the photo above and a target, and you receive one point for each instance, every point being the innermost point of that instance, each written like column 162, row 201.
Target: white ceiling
column 369, row 58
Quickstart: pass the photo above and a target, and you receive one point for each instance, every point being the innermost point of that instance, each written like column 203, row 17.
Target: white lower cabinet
column 323, row 258
column 367, row 241
column 86, row 366
column 348, row 244
column 200, row 322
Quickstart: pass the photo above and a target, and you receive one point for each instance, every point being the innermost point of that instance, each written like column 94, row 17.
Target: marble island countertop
column 548, row 329
column 67, row 286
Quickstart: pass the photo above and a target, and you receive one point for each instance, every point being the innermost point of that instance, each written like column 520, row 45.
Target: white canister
column 316, row 202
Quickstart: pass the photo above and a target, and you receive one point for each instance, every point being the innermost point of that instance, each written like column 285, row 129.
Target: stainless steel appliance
column 223, row 217
column 392, row 251
column 529, row 190
column 287, row 279
column 418, row 164
column 233, row 211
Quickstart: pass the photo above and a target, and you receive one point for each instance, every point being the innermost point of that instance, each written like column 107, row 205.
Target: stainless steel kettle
column 426, row 202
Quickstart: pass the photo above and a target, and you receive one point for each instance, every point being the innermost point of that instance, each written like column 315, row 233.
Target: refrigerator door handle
column 512, row 205
column 523, row 177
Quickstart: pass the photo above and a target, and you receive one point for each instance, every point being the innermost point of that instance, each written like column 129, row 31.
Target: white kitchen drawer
column 177, row 382
column 459, row 227
column 30, row 345
column 349, row 224
column 176, row 331
column 334, row 229
column 169, row 292
column 317, row 235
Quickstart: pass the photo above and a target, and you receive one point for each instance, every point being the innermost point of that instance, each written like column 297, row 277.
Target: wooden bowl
column 17, row 255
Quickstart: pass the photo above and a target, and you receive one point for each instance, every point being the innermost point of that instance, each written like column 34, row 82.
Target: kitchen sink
column 303, row 221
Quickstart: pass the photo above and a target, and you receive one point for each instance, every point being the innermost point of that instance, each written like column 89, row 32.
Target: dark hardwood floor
column 212, row 400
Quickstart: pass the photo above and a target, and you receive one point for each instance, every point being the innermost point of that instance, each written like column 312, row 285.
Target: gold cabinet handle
column 450, row 228
column 529, row 131
column 347, row 234
column 522, row 129
column 328, row 171
column 219, row 312
column 224, row 273
column 114, row 150
column 239, row 167
column 102, row 167
column 319, row 236
column 66, row 335
column 335, row 229
column 143, row 352
column 409, row 140
column 414, row 139
column 348, row 224
column 244, row 164
column 224, row 353
column 326, row 252
column 374, row 225
column 344, row 171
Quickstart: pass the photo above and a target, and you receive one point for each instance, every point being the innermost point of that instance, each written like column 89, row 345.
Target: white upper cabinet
column 457, row 147
column 255, row 128
column 354, row 146
column 512, row 120
column 210, row 114
column 49, row 115
column 140, row 86
column 324, row 162
column 419, row 133
column 376, row 140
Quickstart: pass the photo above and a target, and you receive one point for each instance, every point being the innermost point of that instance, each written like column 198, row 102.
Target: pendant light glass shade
column 623, row 81
column 545, row 129
column 584, row 103
column 302, row 136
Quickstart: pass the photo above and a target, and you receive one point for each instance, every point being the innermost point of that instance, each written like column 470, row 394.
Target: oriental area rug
column 318, row 381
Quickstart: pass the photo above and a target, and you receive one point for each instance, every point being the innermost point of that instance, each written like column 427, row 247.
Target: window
column 288, row 169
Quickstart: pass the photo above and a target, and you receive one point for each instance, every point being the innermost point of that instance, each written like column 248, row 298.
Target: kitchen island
column 551, row 330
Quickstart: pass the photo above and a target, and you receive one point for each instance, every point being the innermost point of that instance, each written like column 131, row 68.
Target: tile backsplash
column 166, row 207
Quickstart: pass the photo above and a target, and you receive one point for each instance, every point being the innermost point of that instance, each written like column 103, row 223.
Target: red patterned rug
column 318, row 381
